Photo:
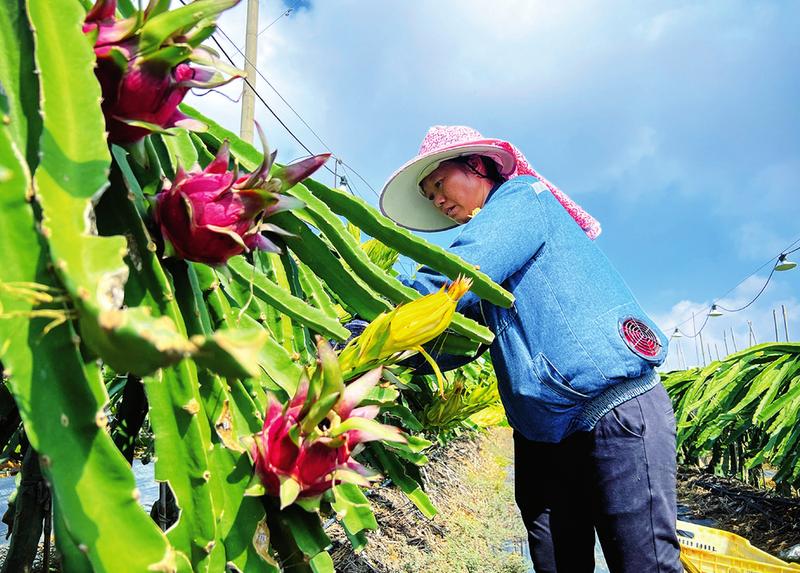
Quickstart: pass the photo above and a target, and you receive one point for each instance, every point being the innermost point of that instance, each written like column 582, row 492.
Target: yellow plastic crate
column 711, row 550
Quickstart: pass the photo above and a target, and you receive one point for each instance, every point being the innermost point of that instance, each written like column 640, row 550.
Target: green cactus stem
column 61, row 401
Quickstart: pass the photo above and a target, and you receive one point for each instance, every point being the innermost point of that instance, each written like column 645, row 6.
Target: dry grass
column 477, row 517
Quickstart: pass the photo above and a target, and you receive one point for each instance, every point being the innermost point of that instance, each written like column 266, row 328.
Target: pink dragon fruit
column 212, row 215
column 145, row 70
column 306, row 446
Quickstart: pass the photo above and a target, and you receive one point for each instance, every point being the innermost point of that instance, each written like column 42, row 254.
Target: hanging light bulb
column 714, row 311
column 784, row 264
column 677, row 333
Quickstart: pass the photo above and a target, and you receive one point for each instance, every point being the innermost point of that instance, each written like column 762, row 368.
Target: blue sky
column 676, row 124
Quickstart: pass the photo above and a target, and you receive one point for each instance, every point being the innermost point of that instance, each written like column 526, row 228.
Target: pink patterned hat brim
column 402, row 202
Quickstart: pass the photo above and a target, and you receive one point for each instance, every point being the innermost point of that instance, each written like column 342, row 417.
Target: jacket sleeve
column 499, row 240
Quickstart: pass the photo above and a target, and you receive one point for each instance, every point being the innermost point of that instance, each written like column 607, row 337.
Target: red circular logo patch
column 640, row 338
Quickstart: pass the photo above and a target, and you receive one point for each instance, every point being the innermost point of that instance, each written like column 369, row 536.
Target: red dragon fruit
column 148, row 62
column 306, row 446
column 212, row 215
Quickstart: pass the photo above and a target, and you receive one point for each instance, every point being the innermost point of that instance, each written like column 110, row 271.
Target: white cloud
column 561, row 80
column 773, row 181
column 643, row 147
column 724, row 334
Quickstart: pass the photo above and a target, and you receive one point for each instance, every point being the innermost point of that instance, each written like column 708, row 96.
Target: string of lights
column 780, row 263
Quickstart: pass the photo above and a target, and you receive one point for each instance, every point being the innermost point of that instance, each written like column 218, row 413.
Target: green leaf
column 314, row 290
column 232, row 353
column 352, row 509
column 19, row 89
column 375, row 277
column 371, row 427
column 179, row 21
column 290, row 489
column 298, row 537
column 72, row 173
column 284, row 301
column 181, row 149
column 392, row 466
column 273, row 359
column 322, row 563
column 344, row 284
column 319, row 409
column 389, row 233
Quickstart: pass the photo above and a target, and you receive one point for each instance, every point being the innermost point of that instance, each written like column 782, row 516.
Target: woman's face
column 455, row 190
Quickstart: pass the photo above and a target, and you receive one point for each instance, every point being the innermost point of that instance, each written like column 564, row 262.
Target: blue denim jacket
column 560, row 355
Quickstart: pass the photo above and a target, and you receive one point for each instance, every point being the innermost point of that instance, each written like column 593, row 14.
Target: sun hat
column 402, row 201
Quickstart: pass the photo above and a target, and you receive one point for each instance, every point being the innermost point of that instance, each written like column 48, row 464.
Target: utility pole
column 775, row 322
column 733, row 339
column 785, row 322
column 703, row 349
column 696, row 350
column 725, row 341
column 250, row 56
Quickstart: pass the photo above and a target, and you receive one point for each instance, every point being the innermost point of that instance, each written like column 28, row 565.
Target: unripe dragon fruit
column 212, row 215
column 148, row 62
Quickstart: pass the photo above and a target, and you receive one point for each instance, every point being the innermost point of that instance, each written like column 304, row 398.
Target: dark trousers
column 618, row 479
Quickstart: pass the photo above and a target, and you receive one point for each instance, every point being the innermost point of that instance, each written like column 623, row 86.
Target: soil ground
column 769, row 521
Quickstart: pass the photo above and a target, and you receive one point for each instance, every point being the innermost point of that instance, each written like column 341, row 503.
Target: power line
column 772, row 272
column 297, row 114
column 286, row 127
column 258, row 95
column 345, row 166
column 774, row 260
column 263, row 77
column 268, row 26
column 348, row 166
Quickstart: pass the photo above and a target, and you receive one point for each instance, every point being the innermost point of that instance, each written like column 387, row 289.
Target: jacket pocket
column 552, row 379
column 545, row 407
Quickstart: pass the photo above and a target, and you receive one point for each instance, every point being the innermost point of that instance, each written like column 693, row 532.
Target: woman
column 594, row 430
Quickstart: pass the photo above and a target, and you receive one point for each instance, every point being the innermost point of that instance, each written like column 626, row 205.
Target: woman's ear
column 476, row 162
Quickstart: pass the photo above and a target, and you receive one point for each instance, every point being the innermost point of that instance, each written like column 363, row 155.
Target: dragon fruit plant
column 306, row 446
column 84, row 300
column 212, row 215
column 146, row 64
